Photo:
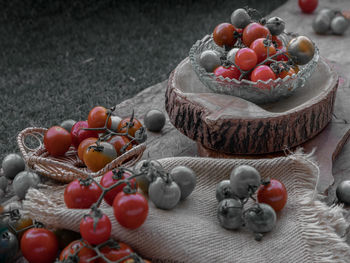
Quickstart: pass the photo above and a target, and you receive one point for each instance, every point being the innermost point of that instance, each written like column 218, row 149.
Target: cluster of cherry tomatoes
column 98, row 141
column 39, row 244
column 254, row 51
column 165, row 189
column 119, row 189
column 330, row 21
column 233, row 194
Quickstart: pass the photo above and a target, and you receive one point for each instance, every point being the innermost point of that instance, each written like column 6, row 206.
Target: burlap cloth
column 307, row 230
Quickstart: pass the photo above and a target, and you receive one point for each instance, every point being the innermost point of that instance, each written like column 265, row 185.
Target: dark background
column 60, row 58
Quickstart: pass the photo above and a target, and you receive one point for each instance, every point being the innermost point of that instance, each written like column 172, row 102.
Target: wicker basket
column 68, row 167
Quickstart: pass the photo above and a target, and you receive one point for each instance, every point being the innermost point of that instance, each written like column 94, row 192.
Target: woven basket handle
column 135, row 153
column 37, row 133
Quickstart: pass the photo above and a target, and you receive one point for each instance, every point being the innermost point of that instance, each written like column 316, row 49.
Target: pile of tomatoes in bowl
column 98, row 140
column 253, row 59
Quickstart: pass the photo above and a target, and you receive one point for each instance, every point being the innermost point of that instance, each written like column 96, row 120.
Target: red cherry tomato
column 262, row 73
column 254, row 31
column 77, row 195
column 118, row 142
column 130, row 210
column 96, row 157
column 114, row 254
column 79, row 134
column 232, row 72
column 109, row 179
column 39, row 245
column 286, row 73
column 97, row 117
column 95, row 233
column 83, row 146
column 308, row 6
column 246, row 59
column 135, row 125
column 261, row 50
column 282, row 57
column 57, row 141
column 273, row 194
column 84, row 255
column 224, row 35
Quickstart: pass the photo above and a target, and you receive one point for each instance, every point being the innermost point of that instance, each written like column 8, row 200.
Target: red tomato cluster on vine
column 261, row 54
column 85, row 137
column 41, row 245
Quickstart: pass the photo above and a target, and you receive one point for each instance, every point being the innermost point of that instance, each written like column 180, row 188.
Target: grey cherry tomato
column 260, row 218
column 230, row 213
column 224, row 190
column 326, row 11
column 232, row 54
column 12, row 165
column 245, row 180
column 67, row 124
column 3, row 183
column 164, row 195
column 276, row 25
column 210, row 60
column 339, row 25
column 8, row 246
column 148, row 167
column 115, row 120
column 185, row 178
column 240, row 18
column 154, row 120
column 321, row 24
column 23, row 181
column 343, row 192
column 301, row 50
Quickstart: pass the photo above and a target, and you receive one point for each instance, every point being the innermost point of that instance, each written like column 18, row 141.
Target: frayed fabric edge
column 323, row 227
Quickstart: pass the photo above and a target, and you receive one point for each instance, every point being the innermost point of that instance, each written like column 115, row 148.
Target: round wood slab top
column 233, row 125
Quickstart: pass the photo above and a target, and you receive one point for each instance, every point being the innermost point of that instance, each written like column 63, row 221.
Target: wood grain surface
column 232, row 125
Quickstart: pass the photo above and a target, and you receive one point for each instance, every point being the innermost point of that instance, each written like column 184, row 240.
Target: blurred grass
column 58, row 59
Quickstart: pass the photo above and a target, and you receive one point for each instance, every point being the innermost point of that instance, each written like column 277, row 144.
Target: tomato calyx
column 13, row 214
column 85, row 182
column 130, row 188
column 262, row 21
column 95, row 214
column 129, row 124
column 5, row 235
column 266, row 181
column 225, row 208
column 140, row 136
column 267, row 42
column 279, row 66
column 117, row 174
column 256, row 208
column 98, row 147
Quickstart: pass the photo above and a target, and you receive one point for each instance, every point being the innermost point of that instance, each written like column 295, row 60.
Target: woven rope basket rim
column 59, row 168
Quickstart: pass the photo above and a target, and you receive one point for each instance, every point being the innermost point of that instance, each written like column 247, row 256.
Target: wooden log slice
column 232, row 125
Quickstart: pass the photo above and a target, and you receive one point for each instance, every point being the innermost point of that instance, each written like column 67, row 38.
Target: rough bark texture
column 233, row 134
